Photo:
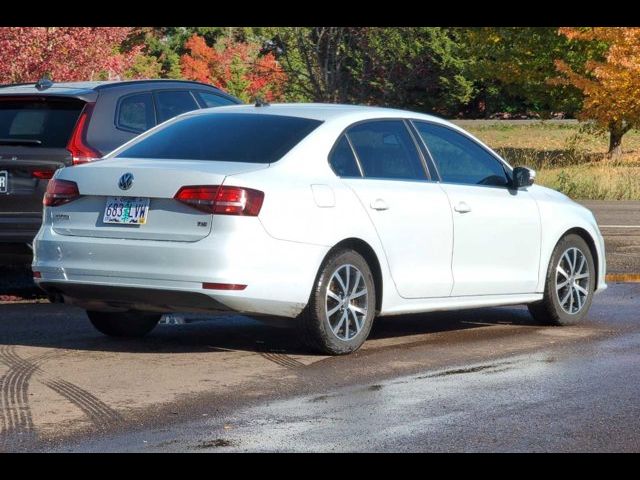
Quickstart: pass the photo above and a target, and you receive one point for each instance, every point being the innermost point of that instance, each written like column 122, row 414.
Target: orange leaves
column 195, row 66
column 611, row 85
column 236, row 67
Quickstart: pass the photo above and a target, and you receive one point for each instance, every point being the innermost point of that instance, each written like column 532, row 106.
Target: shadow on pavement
column 16, row 280
column 60, row 326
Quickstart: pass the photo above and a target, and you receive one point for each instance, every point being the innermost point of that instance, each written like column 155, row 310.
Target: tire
column 123, row 324
column 567, row 305
column 333, row 334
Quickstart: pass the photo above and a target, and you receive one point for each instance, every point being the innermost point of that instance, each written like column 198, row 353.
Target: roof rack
column 112, row 84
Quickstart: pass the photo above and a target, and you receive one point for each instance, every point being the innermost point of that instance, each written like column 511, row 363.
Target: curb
column 623, row 277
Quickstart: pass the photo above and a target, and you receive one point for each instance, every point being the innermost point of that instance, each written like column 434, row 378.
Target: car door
column 380, row 161
column 496, row 247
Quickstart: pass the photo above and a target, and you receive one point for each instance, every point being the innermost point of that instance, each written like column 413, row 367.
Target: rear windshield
column 46, row 123
column 228, row 137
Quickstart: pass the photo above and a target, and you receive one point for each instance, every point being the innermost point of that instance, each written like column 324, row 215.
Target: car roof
column 322, row 111
column 83, row 88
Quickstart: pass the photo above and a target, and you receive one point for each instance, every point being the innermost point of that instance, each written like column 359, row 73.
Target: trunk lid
column 157, row 180
column 34, row 132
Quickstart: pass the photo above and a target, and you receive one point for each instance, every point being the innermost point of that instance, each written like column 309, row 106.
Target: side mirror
column 523, row 177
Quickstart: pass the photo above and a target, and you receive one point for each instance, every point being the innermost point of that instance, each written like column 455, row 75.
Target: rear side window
column 226, row 137
column 208, row 100
column 386, row 150
column 136, row 113
column 171, row 103
column 38, row 122
column 342, row 160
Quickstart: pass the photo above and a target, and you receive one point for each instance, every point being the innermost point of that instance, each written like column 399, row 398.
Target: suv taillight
column 222, row 200
column 80, row 150
column 60, row 192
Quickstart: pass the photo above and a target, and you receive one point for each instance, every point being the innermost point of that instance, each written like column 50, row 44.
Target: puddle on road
column 321, row 398
column 215, row 443
column 460, row 371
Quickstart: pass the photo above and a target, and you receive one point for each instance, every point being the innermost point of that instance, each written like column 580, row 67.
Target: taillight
column 222, row 200
column 42, row 174
column 81, row 152
column 60, row 192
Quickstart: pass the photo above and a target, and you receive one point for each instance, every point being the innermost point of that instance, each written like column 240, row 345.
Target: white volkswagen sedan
column 330, row 215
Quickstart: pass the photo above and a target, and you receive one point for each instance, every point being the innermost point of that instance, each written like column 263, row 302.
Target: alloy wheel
column 346, row 302
column 572, row 280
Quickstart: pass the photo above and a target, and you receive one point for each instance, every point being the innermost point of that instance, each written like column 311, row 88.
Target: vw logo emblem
column 125, row 181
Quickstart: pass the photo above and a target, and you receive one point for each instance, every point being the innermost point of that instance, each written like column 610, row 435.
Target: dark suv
column 45, row 126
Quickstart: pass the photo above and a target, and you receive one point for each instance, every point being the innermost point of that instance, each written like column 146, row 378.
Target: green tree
column 420, row 68
column 511, row 68
column 167, row 44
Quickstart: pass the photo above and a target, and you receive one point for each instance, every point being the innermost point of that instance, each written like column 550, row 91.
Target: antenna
column 44, row 83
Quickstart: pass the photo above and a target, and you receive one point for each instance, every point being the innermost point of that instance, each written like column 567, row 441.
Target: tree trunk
column 615, row 140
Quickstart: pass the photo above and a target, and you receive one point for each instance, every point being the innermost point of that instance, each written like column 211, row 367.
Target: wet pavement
column 479, row 380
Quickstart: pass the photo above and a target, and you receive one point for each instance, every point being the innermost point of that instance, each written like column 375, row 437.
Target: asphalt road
column 620, row 226
column 459, row 381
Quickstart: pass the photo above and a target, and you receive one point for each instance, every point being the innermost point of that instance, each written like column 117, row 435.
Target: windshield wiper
column 19, row 141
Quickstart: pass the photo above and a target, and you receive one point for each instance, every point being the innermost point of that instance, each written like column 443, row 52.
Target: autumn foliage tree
column 237, row 67
column 64, row 53
column 611, row 84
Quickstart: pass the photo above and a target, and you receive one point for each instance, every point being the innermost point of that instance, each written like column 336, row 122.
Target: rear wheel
column 570, row 283
column 340, row 312
column 123, row 324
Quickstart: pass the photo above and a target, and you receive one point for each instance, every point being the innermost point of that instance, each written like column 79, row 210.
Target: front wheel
column 341, row 308
column 569, row 286
column 125, row 324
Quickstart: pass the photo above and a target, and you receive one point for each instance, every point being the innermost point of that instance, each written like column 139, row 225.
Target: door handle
column 379, row 204
column 462, row 207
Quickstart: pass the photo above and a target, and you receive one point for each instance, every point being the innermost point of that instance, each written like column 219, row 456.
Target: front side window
column 386, row 150
column 342, row 160
column 224, row 137
column 135, row 112
column 459, row 159
column 172, row 103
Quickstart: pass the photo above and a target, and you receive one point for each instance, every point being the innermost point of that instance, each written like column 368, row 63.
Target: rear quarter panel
column 291, row 212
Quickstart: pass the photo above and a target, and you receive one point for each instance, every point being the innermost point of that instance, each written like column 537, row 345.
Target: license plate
column 126, row 210
column 4, row 181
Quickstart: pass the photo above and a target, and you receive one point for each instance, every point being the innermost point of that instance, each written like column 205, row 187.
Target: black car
column 45, row 126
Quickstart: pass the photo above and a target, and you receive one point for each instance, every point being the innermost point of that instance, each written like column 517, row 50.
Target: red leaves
column 236, row 67
column 195, row 66
column 63, row 53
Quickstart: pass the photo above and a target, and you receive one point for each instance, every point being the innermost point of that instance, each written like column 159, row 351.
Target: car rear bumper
column 116, row 274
